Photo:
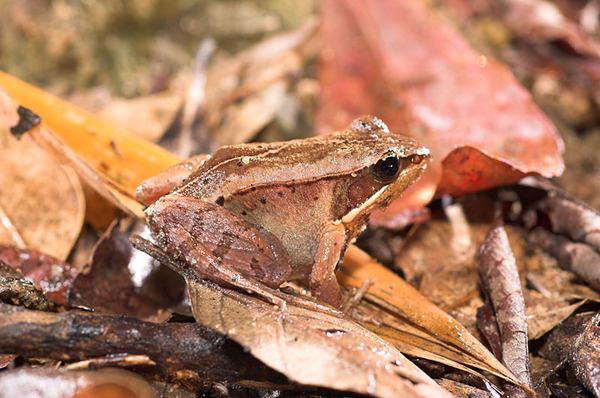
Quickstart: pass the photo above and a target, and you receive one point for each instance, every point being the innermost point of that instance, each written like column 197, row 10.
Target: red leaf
column 394, row 59
column 54, row 276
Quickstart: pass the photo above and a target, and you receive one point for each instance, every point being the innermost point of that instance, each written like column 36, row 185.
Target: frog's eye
column 387, row 167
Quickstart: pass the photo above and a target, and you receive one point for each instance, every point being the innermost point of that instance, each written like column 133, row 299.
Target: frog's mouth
column 366, row 207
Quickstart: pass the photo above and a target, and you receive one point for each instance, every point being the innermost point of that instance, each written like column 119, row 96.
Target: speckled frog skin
column 271, row 213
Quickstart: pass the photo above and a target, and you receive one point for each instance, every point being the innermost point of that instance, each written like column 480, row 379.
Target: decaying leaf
column 123, row 281
column 541, row 321
column 438, row 258
column 486, row 323
column 500, row 281
column 311, row 348
column 41, row 202
column 413, row 340
column 464, row 390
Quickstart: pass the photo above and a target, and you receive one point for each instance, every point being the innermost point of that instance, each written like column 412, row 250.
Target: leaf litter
column 342, row 355
column 552, row 293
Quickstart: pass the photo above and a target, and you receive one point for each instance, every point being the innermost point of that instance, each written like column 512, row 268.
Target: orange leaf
column 98, row 149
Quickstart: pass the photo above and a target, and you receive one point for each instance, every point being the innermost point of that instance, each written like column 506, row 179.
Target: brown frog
column 258, row 215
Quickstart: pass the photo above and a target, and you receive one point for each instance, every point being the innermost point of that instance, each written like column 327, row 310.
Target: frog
column 258, row 215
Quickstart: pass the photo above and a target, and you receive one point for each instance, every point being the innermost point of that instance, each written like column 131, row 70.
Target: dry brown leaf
column 464, row 390
column 576, row 341
column 539, row 323
column 116, row 193
column 499, row 279
column 311, row 348
column 439, row 259
column 120, row 280
column 41, row 202
column 414, row 341
column 399, row 298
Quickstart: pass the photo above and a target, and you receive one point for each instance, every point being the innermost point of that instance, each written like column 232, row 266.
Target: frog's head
column 393, row 164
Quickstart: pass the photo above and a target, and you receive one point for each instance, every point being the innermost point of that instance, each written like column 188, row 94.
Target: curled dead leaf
column 41, row 202
column 500, row 281
column 110, row 160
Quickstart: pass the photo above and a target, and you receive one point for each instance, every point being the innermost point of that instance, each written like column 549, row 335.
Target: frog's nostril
column 416, row 159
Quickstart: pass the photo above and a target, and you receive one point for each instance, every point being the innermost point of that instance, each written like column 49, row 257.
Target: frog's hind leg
column 220, row 245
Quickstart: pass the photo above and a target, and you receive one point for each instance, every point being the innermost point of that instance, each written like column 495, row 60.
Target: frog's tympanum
column 258, row 214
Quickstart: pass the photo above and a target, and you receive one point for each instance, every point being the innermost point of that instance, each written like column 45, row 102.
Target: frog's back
column 236, row 168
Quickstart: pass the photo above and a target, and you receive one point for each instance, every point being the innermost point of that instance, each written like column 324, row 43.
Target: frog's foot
column 355, row 297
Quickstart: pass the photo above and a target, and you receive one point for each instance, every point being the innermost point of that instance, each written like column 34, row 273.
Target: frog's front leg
column 161, row 184
column 322, row 280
